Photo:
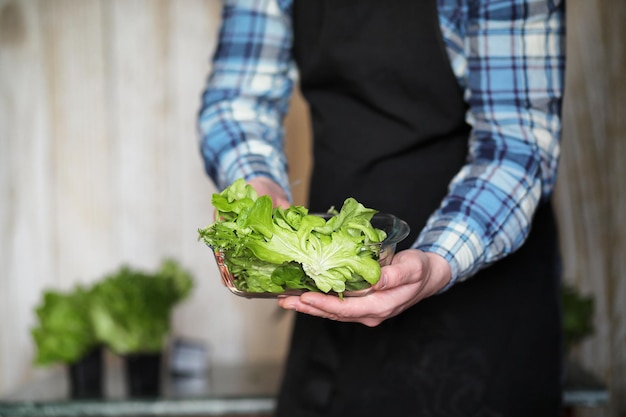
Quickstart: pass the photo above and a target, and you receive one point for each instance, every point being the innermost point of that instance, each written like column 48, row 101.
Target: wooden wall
column 99, row 166
column 591, row 192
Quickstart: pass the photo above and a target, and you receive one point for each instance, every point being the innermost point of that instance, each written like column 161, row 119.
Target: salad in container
column 263, row 251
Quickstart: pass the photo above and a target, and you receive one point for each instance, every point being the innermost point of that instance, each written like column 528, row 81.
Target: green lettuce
column 131, row 309
column 64, row 332
column 276, row 249
column 578, row 312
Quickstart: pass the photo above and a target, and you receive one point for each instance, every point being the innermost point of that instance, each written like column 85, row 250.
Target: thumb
column 406, row 267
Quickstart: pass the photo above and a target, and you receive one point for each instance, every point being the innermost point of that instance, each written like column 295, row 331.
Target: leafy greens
column 131, row 309
column 276, row 249
column 64, row 332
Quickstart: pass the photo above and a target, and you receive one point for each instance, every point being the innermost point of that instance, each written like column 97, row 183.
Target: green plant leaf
column 578, row 312
column 131, row 309
column 64, row 332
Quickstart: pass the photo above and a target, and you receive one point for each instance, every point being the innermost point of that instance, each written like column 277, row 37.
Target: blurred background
column 99, row 167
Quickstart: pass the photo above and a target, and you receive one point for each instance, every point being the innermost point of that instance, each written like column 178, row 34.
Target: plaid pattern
column 248, row 93
column 508, row 56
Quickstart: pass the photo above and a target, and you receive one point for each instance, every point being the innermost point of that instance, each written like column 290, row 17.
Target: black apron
column 389, row 130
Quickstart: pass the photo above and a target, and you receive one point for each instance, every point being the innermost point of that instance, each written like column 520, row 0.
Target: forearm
column 514, row 87
column 247, row 95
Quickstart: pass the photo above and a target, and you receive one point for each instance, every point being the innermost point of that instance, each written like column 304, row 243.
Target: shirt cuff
column 256, row 160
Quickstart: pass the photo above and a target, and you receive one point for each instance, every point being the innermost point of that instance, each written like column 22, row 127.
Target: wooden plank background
column 591, row 192
column 99, row 166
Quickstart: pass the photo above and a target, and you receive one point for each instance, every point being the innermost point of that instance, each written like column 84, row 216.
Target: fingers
column 265, row 186
column 412, row 276
column 370, row 310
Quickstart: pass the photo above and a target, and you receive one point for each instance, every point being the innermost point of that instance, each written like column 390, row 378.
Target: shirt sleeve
column 247, row 94
column 509, row 57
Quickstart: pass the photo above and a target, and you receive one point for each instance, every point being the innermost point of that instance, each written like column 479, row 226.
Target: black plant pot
column 143, row 374
column 86, row 375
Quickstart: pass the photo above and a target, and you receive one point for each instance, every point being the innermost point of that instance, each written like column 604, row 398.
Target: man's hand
column 412, row 276
column 265, row 186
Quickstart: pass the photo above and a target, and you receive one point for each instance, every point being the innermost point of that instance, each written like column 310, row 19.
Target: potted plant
column 578, row 312
column 131, row 311
column 64, row 334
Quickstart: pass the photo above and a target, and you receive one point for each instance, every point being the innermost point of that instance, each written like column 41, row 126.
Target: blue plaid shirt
column 508, row 56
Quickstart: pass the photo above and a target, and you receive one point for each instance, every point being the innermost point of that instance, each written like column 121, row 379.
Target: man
column 445, row 113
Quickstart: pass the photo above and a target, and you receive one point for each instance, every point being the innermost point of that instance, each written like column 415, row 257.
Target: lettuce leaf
column 131, row 308
column 275, row 249
column 64, row 332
